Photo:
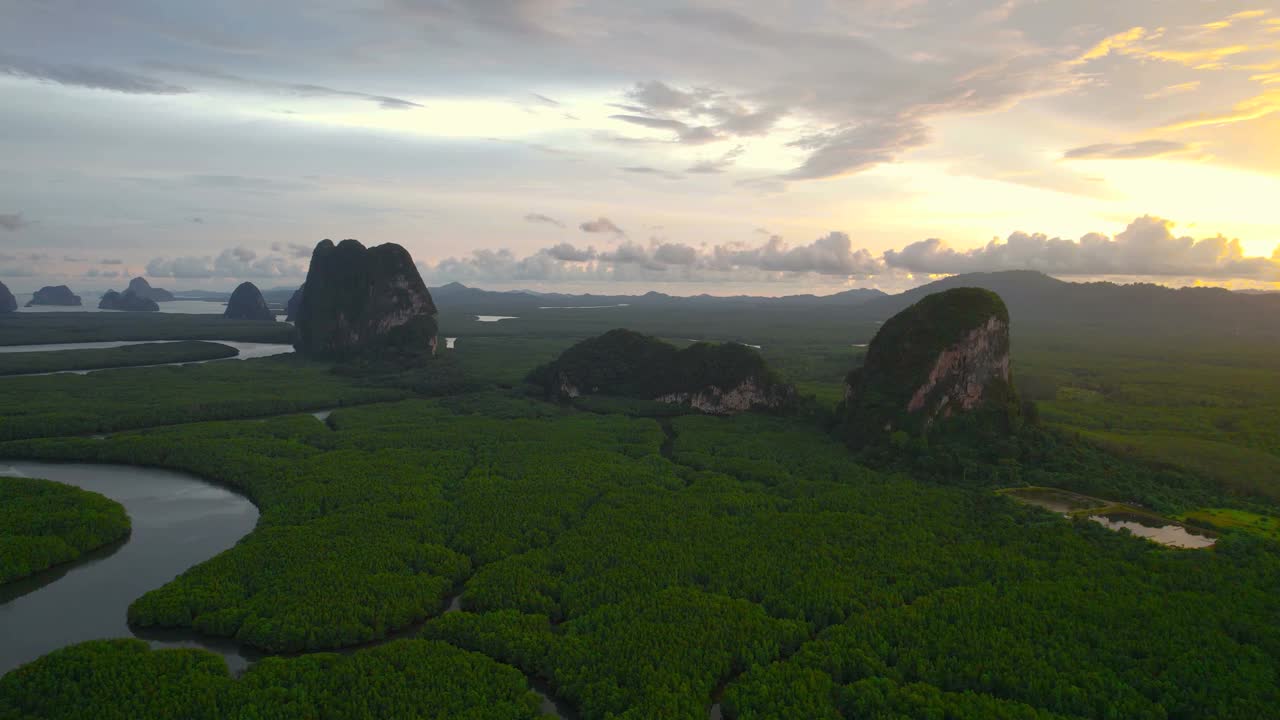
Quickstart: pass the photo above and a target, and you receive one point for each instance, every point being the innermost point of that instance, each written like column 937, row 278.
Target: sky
column 698, row 146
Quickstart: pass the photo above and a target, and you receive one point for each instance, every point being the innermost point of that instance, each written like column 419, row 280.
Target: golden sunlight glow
column 1252, row 109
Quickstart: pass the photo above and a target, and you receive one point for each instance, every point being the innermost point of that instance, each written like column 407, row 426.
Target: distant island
column 246, row 303
column 54, row 295
column 142, row 288
column 128, row 301
column 8, row 303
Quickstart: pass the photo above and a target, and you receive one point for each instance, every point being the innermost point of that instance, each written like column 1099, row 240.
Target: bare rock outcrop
column 364, row 301
column 294, row 305
column 945, row 356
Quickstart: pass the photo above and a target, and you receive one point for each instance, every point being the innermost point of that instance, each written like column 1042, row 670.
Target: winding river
column 178, row 521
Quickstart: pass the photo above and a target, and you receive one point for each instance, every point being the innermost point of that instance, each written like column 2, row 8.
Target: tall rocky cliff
column 720, row 379
column 361, row 301
column 54, row 295
column 246, row 303
column 944, row 357
column 8, row 303
column 294, row 305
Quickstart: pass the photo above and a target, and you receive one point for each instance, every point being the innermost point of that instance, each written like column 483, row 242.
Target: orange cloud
column 1252, row 109
column 1118, row 43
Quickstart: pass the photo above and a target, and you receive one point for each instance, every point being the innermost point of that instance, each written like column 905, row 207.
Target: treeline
column 101, row 358
column 629, row 364
column 45, row 523
column 126, row 680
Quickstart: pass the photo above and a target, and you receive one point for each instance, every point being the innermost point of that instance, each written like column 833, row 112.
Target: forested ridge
column 44, row 523
column 754, row 555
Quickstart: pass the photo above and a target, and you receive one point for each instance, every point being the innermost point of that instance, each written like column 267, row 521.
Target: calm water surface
column 178, row 521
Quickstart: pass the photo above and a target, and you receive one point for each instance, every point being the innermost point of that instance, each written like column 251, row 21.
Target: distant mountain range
column 1035, row 301
column 456, row 296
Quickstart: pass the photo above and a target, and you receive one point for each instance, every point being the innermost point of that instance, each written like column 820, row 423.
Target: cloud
column 295, row 250
column 96, row 78
column 1172, row 90
column 540, row 218
column 1254, row 108
column 601, row 225
column 236, row 263
column 1147, row 246
column 646, row 170
column 665, row 261
column 697, row 116
column 1127, row 151
column 111, row 261
column 717, row 165
column 69, row 258
column 17, row 272
column 569, row 253
column 543, row 99
column 832, row 254
column 675, row 254
column 96, row 273
column 13, row 221
column 304, row 90
column 685, row 133
column 853, row 149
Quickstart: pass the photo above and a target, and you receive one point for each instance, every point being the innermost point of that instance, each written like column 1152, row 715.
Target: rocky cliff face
column 746, row 395
column 294, row 305
column 127, row 300
column 54, row 295
column 246, row 303
column 362, row 300
column 719, row 379
column 945, row 356
column 8, row 303
column 141, row 288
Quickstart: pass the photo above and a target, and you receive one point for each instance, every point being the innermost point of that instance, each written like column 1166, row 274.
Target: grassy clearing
column 1242, row 520
column 1239, row 470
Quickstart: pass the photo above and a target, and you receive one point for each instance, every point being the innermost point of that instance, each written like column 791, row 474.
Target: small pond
column 1155, row 529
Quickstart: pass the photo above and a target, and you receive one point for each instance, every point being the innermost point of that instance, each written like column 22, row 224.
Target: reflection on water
column 1154, row 529
column 178, row 521
column 73, row 346
column 247, row 350
column 495, row 318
